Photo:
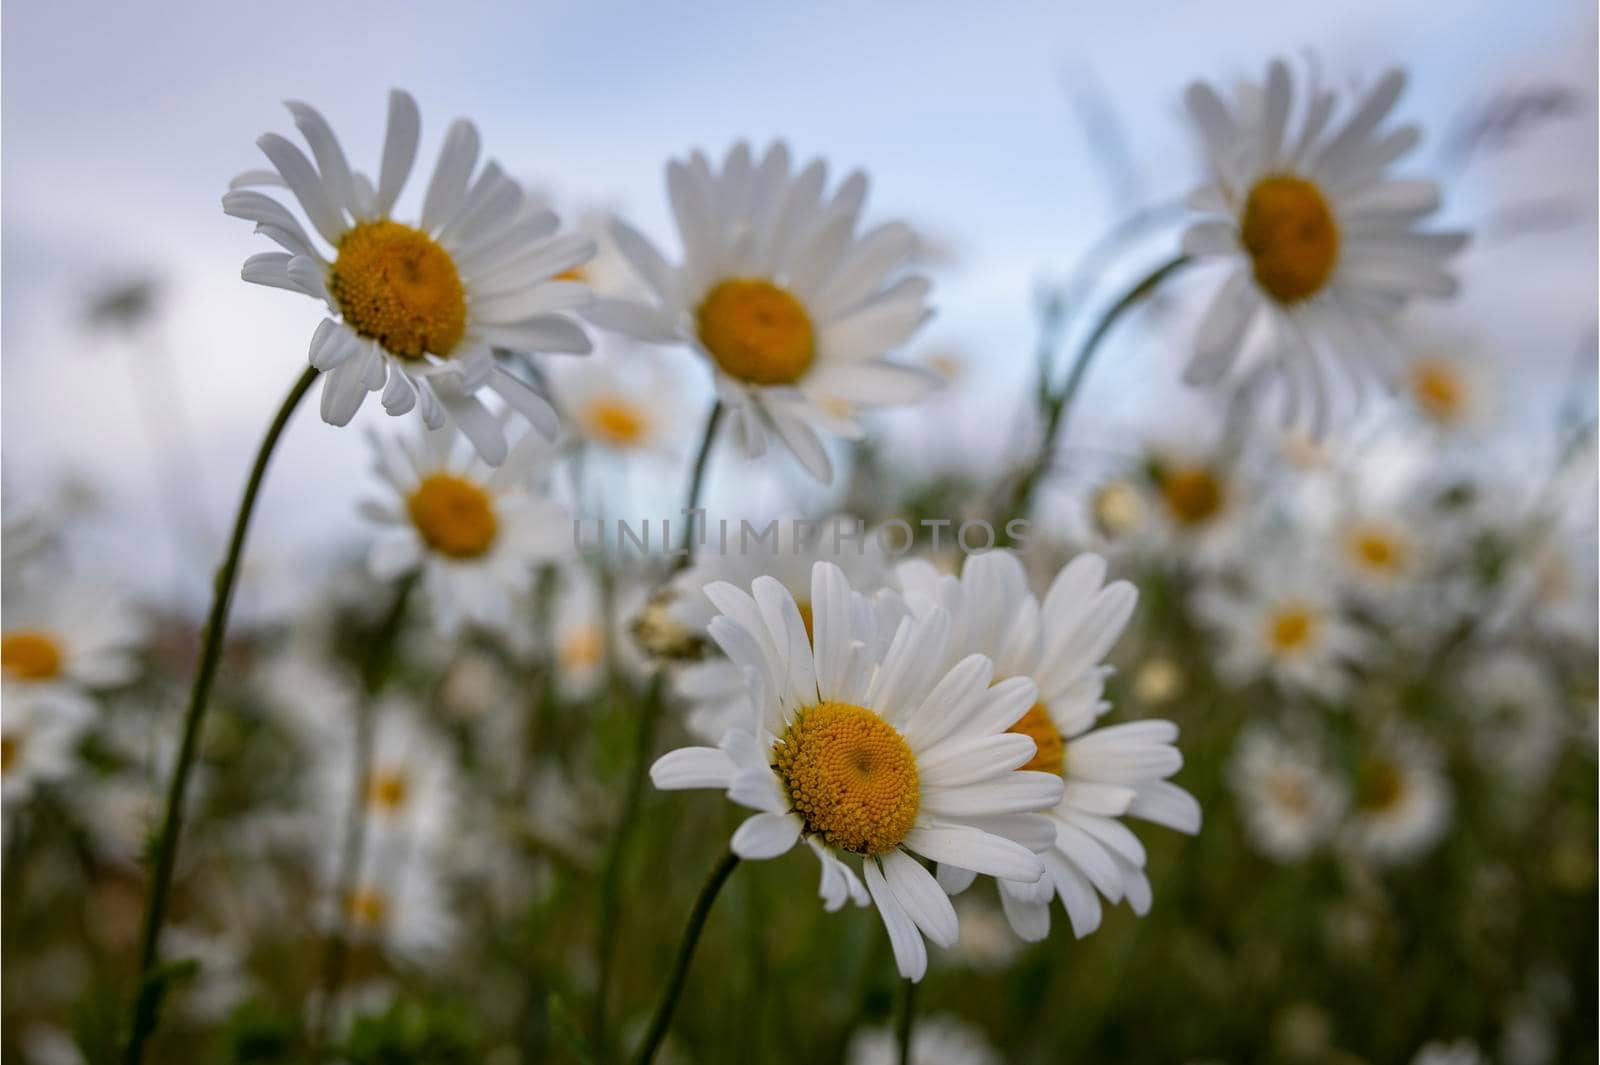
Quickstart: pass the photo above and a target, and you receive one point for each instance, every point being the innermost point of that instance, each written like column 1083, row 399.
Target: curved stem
column 1058, row 406
column 908, row 1011
column 696, row 482
column 152, row 987
column 380, row 653
column 662, row 1020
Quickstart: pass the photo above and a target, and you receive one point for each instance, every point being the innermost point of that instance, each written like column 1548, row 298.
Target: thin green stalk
column 380, row 654
column 152, row 985
column 903, row 1023
column 662, row 1020
column 696, row 482
column 1057, row 408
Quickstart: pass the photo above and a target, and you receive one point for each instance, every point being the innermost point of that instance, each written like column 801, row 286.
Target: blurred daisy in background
column 38, row 745
column 1060, row 646
column 418, row 309
column 474, row 532
column 793, row 309
column 621, row 400
column 409, row 788
column 1194, row 498
column 1460, row 1052
column 1513, row 705
column 591, row 636
column 63, row 638
column 1322, row 241
column 938, row 1039
column 1290, row 804
column 1402, row 804
column 1281, row 621
column 714, row 689
column 1448, row 385
column 869, row 746
column 221, row 982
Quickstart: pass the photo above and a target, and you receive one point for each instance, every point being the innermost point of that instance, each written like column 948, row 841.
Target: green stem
column 152, row 987
column 380, row 653
column 908, row 1012
column 1057, row 408
column 696, row 482
column 662, row 1020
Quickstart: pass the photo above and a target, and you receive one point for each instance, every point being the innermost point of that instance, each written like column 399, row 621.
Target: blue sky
column 123, row 122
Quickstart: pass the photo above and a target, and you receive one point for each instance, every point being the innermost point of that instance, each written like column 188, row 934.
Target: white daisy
column 1282, row 622
column 621, row 401
column 868, row 747
column 1402, row 799
column 1460, row 1052
column 714, row 690
column 1322, row 239
column 585, row 640
column 222, row 981
column 474, row 531
column 793, row 309
column 939, row 1039
column 410, row 781
column 1060, row 646
column 418, row 309
column 1290, row 803
column 63, row 638
column 1190, row 508
column 1447, row 385
column 1514, row 706
column 38, row 744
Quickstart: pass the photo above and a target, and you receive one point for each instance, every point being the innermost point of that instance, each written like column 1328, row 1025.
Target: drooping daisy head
column 861, row 742
column 416, row 309
column 475, row 532
column 1323, row 240
column 1060, row 645
column 793, row 308
column 1401, row 801
column 1289, row 802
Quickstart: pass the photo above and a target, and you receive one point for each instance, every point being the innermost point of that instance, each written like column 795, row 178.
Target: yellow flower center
column 1052, row 754
column 756, row 331
column 616, row 421
column 1376, row 548
column 9, row 747
column 1439, row 390
column 28, row 654
column 388, row 789
column 1288, row 790
column 1379, row 785
column 396, row 285
column 367, row 907
column 454, row 516
column 1291, row 236
column 850, row 776
column 583, row 646
column 1116, row 508
column 573, row 273
column 1291, row 628
column 1193, row 494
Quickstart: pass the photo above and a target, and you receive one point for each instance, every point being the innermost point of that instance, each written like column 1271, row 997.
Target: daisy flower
column 409, row 786
column 1282, row 623
column 1461, row 1052
column 585, row 638
column 868, row 749
column 1515, row 708
column 1402, row 800
column 1323, row 242
column 38, row 744
column 417, row 310
column 937, row 1040
column 622, row 402
column 1059, row 645
column 791, row 306
column 1448, row 388
column 714, row 689
column 61, row 640
column 1290, row 803
column 1189, row 508
column 474, row 531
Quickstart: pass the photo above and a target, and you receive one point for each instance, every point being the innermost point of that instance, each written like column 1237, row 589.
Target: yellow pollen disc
column 388, row 789
column 1291, row 236
column 583, row 646
column 1379, row 785
column 616, row 421
column 1439, row 390
column 9, row 746
column 367, row 907
column 396, row 285
column 1116, row 508
column 28, row 654
column 454, row 516
column 1291, row 628
column 850, row 776
column 1052, row 754
column 756, row 331
column 1193, row 494
column 1374, row 548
